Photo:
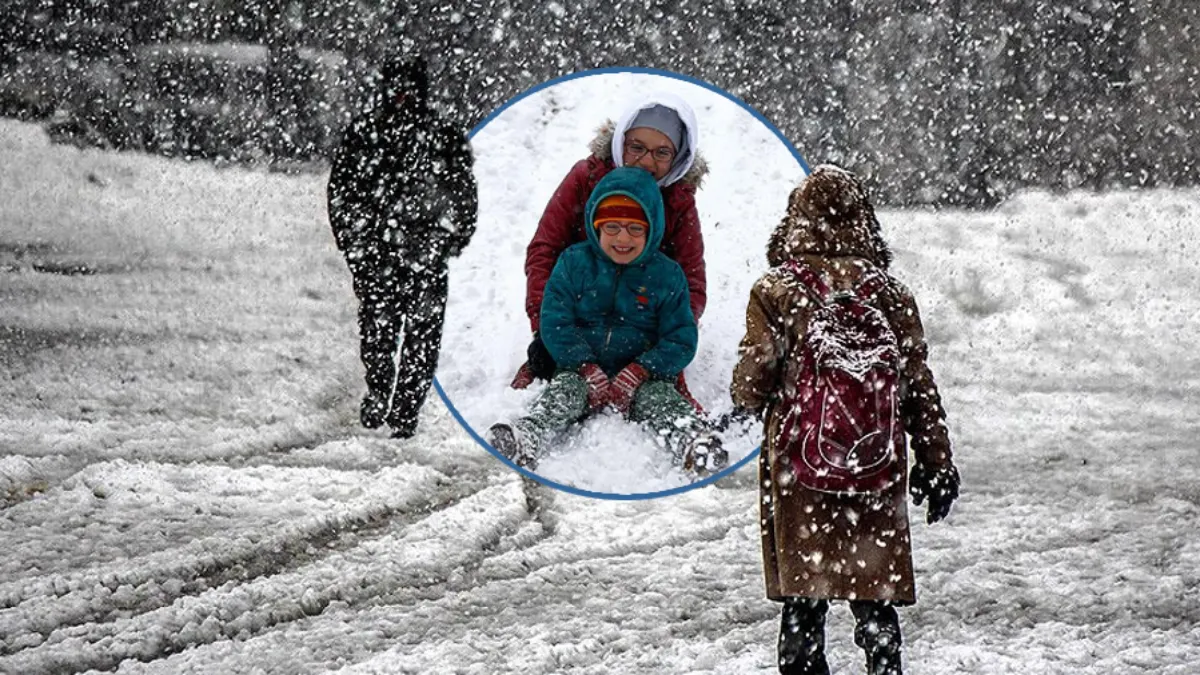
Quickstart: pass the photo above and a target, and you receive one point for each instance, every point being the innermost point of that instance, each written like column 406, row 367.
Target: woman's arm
column 920, row 403
column 554, row 234
column 761, row 353
column 686, row 247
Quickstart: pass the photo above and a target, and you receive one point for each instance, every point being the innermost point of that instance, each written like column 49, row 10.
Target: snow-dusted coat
column 561, row 224
column 402, row 172
column 820, row 545
column 597, row 311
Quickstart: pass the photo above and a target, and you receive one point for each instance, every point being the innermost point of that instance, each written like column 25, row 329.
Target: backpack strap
column 871, row 284
column 809, row 278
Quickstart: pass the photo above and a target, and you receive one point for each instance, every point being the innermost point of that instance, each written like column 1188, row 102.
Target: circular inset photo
column 592, row 325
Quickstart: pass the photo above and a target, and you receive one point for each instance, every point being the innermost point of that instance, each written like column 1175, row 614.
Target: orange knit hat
column 619, row 207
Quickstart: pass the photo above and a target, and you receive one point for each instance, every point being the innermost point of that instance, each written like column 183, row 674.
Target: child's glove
column 940, row 486
column 540, row 361
column 626, row 384
column 538, row 366
column 598, row 387
column 682, row 388
column 524, row 377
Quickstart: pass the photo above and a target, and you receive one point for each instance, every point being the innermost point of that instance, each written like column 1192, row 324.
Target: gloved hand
column 626, row 384
column 682, row 388
column 939, row 486
column 524, row 377
column 539, row 365
column 540, row 360
column 598, row 386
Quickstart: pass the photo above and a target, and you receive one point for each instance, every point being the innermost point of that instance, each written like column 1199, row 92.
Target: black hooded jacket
column 401, row 171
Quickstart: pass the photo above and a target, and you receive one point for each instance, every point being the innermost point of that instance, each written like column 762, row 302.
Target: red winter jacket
column 562, row 225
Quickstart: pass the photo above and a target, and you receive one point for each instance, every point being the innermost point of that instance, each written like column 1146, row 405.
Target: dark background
column 957, row 102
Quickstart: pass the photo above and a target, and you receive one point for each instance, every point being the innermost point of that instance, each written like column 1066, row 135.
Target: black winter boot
column 878, row 634
column 802, row 637
column 505, row 439
column 373, row 411
column 704, row 454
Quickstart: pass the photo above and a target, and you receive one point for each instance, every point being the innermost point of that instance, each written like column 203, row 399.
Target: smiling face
column 649, row 149
column 622, row 248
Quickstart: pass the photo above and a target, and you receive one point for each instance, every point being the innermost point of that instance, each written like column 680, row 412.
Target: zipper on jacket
column 608, row 319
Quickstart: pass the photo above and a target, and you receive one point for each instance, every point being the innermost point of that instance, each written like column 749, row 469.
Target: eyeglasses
column 613, row 228
column 636, row 150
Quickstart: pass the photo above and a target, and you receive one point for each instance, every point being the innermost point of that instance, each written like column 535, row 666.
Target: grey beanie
column 663, row 119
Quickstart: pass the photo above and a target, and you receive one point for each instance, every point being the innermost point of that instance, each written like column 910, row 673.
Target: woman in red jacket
column 659, row 135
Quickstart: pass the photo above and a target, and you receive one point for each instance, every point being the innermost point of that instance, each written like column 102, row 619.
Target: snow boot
column 404, row 430
column 506, row 440
column 373, row 412
column 704, row 454
column 802, row 637
column 877, row 632
column 403, row 426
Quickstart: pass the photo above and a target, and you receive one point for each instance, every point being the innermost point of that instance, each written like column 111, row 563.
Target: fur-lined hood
column 601, row 148
column 829, row 213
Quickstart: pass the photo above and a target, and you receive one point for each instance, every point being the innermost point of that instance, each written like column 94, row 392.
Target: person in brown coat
column 822, row 546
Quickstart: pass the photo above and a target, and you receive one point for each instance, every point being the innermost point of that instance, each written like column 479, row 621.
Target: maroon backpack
column 841, row 427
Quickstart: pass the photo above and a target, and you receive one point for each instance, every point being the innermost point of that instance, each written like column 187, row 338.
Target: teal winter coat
column 596, row 311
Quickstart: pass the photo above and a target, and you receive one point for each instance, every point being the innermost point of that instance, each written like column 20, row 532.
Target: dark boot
column 802, row 637
column 402, row 427
column 504, row 438
column 373, row 411
column 704, row 454
column 878, row 634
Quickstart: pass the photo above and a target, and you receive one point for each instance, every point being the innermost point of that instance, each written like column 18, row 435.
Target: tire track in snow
column 425, row 554
column 32, row 609
column 391, row 628
column 23, row 476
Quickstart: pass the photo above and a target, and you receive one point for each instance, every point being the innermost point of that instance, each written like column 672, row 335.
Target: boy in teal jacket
column 617, row 320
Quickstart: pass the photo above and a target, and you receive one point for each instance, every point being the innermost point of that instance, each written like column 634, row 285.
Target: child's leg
column 802, row 637
column 562, row 403
column 657, row 405
column 675, row 423
column 878, row 633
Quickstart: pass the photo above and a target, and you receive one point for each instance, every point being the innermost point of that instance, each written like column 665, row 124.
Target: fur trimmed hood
column 601, row 147
column 829, row 213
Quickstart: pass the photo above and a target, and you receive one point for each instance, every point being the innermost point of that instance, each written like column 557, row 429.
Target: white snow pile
column 186, row 490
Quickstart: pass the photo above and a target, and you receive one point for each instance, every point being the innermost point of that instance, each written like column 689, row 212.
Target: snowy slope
column 523, row 154
column 184, row 489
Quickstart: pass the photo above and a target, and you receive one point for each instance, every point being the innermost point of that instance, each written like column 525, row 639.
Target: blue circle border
column 438, row 386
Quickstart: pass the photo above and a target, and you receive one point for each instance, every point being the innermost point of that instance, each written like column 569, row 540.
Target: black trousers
column 802, row 636
column 401, row 288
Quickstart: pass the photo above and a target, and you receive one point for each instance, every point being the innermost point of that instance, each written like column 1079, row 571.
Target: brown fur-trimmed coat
column 820, row 545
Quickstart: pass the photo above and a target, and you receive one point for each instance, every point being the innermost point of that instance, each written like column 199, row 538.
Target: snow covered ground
column 183, row 488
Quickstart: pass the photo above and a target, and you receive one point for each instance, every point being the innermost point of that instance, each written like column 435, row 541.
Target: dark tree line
column 936, row 101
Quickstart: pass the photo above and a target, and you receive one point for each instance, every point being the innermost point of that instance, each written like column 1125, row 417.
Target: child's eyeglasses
column 613, row 228
column 636, row 151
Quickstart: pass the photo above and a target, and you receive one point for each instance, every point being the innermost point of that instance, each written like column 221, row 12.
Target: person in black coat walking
column 402, row 201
